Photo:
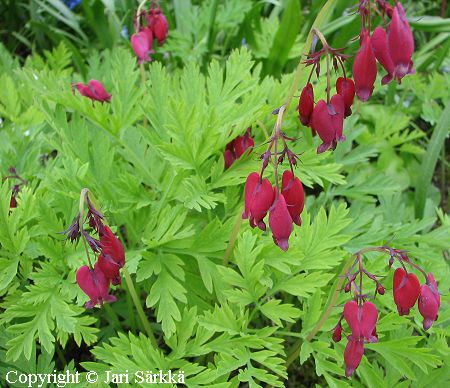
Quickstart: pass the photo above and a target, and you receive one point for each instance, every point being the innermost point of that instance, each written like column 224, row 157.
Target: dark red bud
column 337, row 332
column 391, row 262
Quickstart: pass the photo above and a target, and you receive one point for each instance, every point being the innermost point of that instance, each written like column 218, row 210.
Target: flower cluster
column 284, row 206
column 361, row 314
column 326, row 117
column 95, row 279
column 94, row 90
column 236, row 148
column 16, row 187
column 149, row 25
column 392, row 47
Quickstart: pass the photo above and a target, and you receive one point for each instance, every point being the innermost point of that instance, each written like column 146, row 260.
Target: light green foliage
column 165, row 183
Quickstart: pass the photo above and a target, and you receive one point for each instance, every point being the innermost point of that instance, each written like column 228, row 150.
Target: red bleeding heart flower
column 229, row 158
column 406, row 290
column 321, row 123
column 109, row 268
column 94, row 284
column 250, row 185
column 242, row 143
column 293, row 193
column 111, row 246
column 337, row 102
column 429, row 302
column 99, row 91
column 306, row 104
column 158, row 24
column 280, row 222
column 142, row 42
column 401, row 42
column 328, row 122
column 364, row 68
column 93, row 90
column 237, row 147
column 346, row 88
column 259, row 197
column 361, row 319
column 381, row 50
column 352, row 355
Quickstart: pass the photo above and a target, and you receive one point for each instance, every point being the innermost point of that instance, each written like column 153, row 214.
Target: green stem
column 233, row 237
column 60, row 354
column 142, row 69
column 131, row 316
column 83, row 194
column 212, row 19
column 320, row 19
column 140, row 311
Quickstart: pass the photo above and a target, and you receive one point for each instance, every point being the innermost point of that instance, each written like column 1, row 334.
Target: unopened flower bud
column 337, row 332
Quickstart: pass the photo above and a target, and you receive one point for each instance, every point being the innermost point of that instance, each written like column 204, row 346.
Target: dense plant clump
column 340, row 277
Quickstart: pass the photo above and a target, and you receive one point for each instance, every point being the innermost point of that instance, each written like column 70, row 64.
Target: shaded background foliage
column 226, row 65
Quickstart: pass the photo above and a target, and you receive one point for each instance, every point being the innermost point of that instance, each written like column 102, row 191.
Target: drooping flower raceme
column 95, row 279
column 361, row 314
column 148, row 25
column 284, row 202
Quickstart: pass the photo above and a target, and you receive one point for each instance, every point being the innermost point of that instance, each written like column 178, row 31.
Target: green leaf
column 285, row 37
column 276, row 311
column 430, row 158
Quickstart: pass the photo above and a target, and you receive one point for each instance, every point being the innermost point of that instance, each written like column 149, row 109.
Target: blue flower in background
column 124, row 32
column 72, row 3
